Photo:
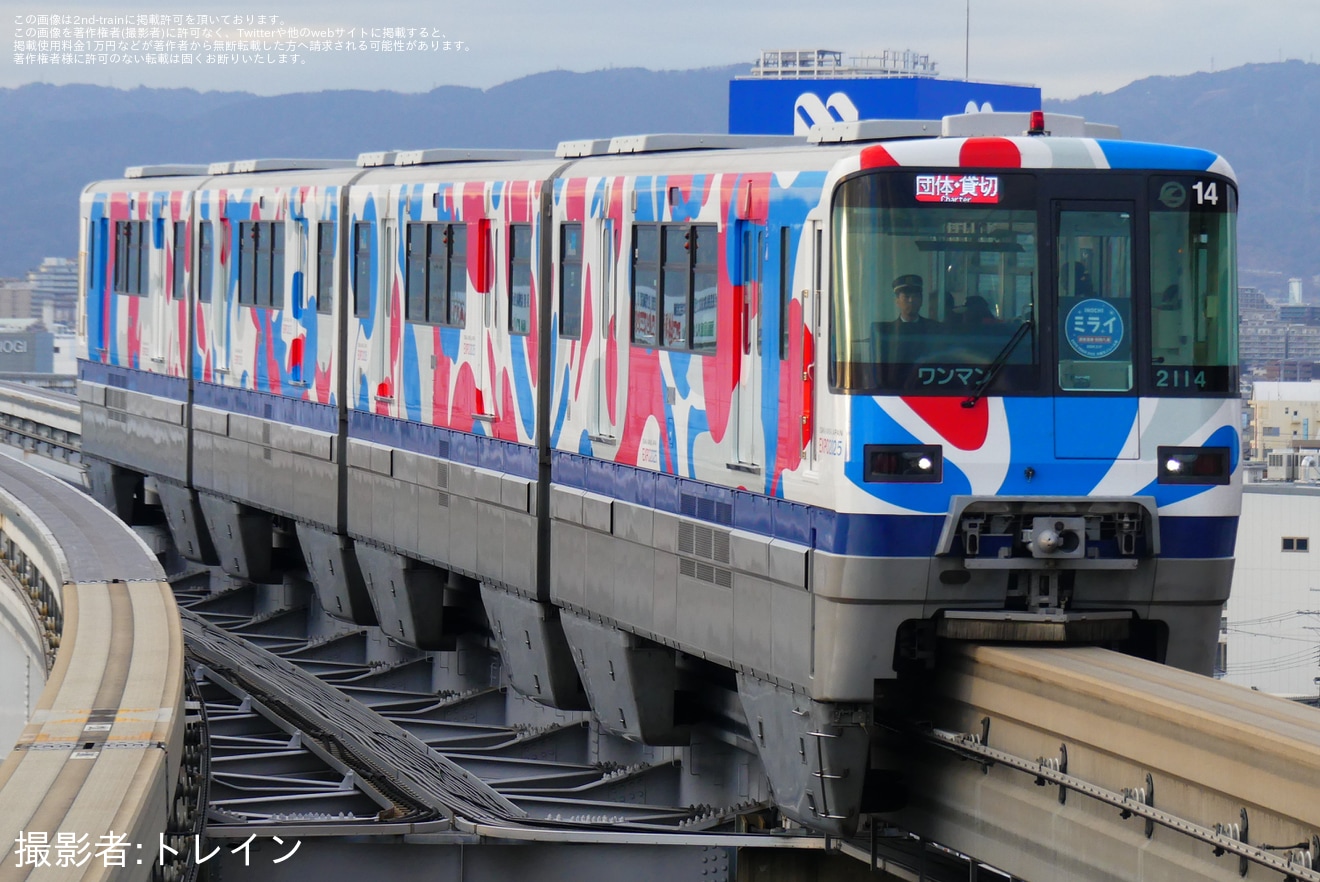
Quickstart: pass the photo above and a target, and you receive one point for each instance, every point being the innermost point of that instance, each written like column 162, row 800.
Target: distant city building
column 1283, row 415
column 1252, row 298
column 1294, row 291
column 64, row 356
column 1276, row 342
column 1299, row 314
column 15, row 298
column 55, row 291
column 1261, row 342
column 26, row 347
column 1271, row 628
column 1295, row 370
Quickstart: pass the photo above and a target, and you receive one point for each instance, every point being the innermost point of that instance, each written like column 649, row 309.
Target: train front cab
column 1055, row 450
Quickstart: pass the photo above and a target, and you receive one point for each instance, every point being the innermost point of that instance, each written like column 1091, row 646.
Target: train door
column 604, row 428
column 95, row 280
column 363, row 247
column 157, row 287
column 811, row 311
column 1094, row 282
column 382, row 367
column 181, row 272
column 751, row 252
column 301, row 299
column 327, row 283
column 225, row 295
column 481, row 251
column 201, row 328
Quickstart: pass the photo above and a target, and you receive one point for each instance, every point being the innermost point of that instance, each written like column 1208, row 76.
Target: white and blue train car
column 675, row 413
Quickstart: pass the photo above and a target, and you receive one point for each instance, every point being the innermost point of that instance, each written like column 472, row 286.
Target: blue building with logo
column 789, row 91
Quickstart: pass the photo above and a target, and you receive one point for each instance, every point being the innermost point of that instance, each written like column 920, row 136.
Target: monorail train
column 790, row 409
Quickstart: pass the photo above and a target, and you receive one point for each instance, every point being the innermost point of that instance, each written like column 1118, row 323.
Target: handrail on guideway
column 101, row 753
column 1215, row 775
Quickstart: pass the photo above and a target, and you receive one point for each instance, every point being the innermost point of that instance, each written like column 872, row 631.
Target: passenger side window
column 520, row 279
column 325, row 267
column 362, row 269
column 205, row 260
column 675, row 290
column 570, row 280
column 261, row 264
column 179, row 259
column 131, row 249
column 436, row 274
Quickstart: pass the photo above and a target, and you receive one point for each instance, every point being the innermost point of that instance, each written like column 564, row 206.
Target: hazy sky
column 1067, row 48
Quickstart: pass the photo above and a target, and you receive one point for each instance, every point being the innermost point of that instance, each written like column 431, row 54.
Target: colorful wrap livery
column 794, row 409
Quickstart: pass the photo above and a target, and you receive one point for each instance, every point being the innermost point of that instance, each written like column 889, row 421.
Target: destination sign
column 980, row 189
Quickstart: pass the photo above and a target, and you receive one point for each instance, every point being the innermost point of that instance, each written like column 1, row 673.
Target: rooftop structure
column 799, row 64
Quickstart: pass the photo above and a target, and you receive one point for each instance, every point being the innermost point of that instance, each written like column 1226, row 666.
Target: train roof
column 1029, row 140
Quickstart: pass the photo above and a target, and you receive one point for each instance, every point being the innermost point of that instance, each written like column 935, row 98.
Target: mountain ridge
column 1264, row 118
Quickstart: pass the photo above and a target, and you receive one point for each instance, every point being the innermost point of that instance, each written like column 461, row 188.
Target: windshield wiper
column 998, row 363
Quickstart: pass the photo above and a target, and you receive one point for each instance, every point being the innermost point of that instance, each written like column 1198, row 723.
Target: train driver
column 898, row 341
column 908, row 296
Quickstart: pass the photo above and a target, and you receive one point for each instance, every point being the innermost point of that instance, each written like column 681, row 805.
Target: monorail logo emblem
column 1094, row 328
column 810, row 111
column 982, row 189
column 1173, row 195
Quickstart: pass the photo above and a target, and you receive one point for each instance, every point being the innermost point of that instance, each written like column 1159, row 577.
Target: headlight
column 1193, row 465
column 904, row 463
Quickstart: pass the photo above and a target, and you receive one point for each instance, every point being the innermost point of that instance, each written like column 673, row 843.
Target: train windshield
column 1193, row 285
column 1126, row 284
column 934, row 277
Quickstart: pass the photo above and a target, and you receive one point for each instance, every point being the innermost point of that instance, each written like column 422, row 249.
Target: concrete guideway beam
column 103, row 750
column 1160, row 774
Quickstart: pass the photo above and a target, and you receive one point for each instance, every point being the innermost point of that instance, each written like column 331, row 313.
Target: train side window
column 362, row 269
column 1296, row 543
column 520, row 279
column 259, row 251
column 140, row 275
column 415, row 288
column 457, row 240
column 785, row 287
column 436, row 274
column 429, row 304
column 87, row 265
column 131, row 274
column 325, row 267
column 275, row 298
column 705, row 287
column 675, row 277
column 645, row 284
column 180, row 258
column 675, row 291
column 205, row 260
column 261, row 263
column 247, row 274
column 570, row 280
